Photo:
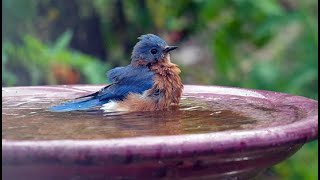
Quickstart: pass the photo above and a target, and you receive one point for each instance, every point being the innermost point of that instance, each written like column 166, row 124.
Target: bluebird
column 150, row 82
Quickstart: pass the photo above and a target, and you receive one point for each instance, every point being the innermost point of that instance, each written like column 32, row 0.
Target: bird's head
column 150, row 49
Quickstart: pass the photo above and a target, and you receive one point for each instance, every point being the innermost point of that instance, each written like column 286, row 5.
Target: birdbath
column 215, row 133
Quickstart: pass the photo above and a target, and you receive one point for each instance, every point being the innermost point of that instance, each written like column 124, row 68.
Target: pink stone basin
column 216, row 133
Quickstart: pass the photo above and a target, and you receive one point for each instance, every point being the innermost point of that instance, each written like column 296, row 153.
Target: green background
column 259, row 44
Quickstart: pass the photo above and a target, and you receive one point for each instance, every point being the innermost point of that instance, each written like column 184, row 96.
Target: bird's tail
column 80, row 104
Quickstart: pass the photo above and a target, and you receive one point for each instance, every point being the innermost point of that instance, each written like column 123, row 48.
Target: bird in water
column 150, row 82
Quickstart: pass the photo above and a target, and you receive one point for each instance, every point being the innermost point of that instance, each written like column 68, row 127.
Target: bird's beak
column 170, row 48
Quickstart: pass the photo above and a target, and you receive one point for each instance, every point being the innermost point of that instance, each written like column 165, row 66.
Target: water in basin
column 27, row 118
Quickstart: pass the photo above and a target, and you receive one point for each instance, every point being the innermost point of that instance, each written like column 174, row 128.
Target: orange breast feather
column 167, row 89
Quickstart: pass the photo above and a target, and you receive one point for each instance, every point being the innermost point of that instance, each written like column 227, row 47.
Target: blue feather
column 124, row 80
column 76, row 105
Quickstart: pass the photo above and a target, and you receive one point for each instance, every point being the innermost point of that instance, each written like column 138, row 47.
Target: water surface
column 27, row 118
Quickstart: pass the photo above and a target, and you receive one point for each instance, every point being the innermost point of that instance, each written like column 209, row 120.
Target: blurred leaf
column 63, row 41
column 270, row 7
column 8, row 78
column 210, row 9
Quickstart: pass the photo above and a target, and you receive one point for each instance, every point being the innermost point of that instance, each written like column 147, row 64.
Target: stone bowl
column 283, row 124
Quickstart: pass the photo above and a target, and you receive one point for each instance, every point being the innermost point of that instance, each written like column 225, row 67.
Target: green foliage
column 37, row 61
column 18, row 18
column 259, row 44
column 303, row 165
column 7, row 77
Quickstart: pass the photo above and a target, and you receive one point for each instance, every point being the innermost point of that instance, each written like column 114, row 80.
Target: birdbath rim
column 300, row 131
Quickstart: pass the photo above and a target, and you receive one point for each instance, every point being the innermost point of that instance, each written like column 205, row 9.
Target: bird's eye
column 154, row 51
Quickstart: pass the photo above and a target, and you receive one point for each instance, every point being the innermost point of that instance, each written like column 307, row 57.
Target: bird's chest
column 166, row 82
column 167, row 86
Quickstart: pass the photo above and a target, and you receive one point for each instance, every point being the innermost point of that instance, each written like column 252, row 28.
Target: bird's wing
column 125, row 80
